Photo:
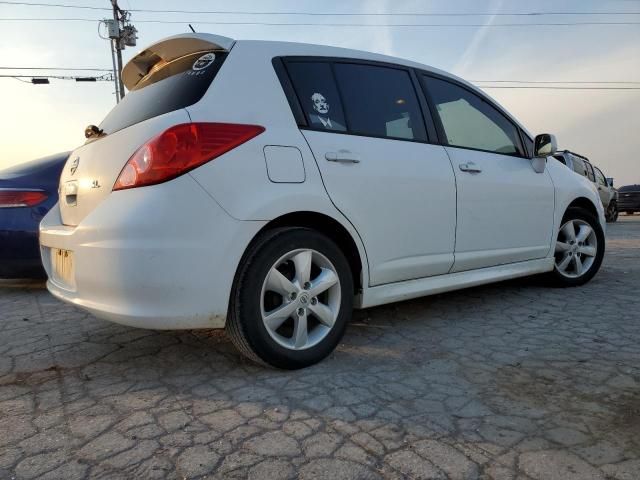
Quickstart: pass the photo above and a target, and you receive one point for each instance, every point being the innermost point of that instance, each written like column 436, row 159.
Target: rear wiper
column 93, row 132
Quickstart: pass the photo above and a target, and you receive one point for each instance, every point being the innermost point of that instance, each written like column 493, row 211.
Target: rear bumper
column 159, row 257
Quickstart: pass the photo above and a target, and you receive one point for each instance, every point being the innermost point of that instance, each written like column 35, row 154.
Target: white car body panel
column 152, row 266
column 568, row 188
column 390, row 197
column 165, row 256
column 505, row 212
column 101, row 161
column 401, row 291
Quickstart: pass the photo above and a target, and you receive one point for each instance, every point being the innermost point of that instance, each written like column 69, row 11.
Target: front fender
column 569, row 187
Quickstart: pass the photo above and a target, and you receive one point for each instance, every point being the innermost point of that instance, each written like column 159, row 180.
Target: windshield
column 167, row 87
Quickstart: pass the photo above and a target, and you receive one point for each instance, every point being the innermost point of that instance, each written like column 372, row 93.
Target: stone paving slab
column 510, row 381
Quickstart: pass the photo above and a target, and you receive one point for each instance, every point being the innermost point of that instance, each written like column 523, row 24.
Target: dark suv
column 629, row 199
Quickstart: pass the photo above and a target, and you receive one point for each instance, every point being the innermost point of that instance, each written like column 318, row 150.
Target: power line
column 485, row 81
column 324, row 14
column 282, row 24
column 550, row 87
column 61, row 5
column 58, row 69
column 100, row 78
column 558, row 82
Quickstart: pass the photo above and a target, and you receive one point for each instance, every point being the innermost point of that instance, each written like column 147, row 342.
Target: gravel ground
column 509, row 381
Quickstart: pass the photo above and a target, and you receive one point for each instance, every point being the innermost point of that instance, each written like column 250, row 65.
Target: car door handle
column 470, row 167
column 342, row 156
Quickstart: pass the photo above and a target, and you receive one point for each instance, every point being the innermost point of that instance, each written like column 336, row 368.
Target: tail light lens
column 180, row 149
column 21, row 198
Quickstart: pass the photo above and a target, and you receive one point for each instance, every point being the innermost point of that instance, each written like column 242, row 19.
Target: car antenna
column 192, row 29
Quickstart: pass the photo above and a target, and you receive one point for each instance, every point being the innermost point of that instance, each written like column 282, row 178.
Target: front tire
column 612, row 212
column 291, row 299
column 579, row 248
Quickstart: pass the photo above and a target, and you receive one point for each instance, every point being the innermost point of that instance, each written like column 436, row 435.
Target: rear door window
column 380, row 101
column 318, row 95
column 168, row 87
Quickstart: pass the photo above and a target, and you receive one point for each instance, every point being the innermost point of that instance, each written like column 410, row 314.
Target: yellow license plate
column 63, row 267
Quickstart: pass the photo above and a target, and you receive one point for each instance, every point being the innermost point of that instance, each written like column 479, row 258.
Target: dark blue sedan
column 27, row 193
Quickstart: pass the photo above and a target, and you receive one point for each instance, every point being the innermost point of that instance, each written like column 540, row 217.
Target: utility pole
column 121, row 34
column 118, row 48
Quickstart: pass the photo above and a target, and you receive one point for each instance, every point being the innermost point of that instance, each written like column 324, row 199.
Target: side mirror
column 545, row 145
column 610, row 181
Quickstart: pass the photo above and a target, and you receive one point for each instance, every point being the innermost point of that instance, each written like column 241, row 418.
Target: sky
column 604, row 125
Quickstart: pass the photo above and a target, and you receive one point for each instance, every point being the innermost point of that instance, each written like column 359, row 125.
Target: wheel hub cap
column 576, row 248
column 300, row 299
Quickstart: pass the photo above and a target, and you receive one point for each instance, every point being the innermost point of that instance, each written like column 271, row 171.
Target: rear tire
column 579, row 249
column 291, row 300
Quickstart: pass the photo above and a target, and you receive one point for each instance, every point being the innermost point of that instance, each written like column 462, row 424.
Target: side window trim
column 289, row 92
column 282, row 72
column 441, row 136
column 429, row 121
column 441, row 133
column 347, row 121
column 526, row 144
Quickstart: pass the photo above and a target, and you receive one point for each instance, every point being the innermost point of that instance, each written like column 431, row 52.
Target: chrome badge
column 74, row 165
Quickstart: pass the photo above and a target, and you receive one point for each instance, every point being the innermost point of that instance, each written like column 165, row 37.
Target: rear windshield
column 630, row 188
column 167, row 87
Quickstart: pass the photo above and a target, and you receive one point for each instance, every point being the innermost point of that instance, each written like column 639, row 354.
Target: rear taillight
column 180, row 149
column 11, row 198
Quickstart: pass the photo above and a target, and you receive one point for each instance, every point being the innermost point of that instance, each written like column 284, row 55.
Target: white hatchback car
column 269, row 188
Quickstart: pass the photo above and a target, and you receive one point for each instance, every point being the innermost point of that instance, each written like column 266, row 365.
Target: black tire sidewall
column 249, row 291
column 576, row 213
column 612, row 212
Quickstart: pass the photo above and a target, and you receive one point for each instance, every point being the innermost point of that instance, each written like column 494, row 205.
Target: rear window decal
column 203, row 62
column 321, row 117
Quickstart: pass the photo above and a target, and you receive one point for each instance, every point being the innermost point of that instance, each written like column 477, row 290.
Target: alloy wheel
column 300, row 299
column 576, row 248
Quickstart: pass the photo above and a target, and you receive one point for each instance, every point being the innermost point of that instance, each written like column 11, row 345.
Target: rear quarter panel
column 247, row 90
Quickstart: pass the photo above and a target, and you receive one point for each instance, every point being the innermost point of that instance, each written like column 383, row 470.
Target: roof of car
column 560, row 152
column 311, row 49
column 173, row 47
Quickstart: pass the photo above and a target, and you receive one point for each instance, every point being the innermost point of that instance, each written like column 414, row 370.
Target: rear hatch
column 163, row 80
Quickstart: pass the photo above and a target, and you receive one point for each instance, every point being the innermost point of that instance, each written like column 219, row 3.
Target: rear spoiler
column 169, row 49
